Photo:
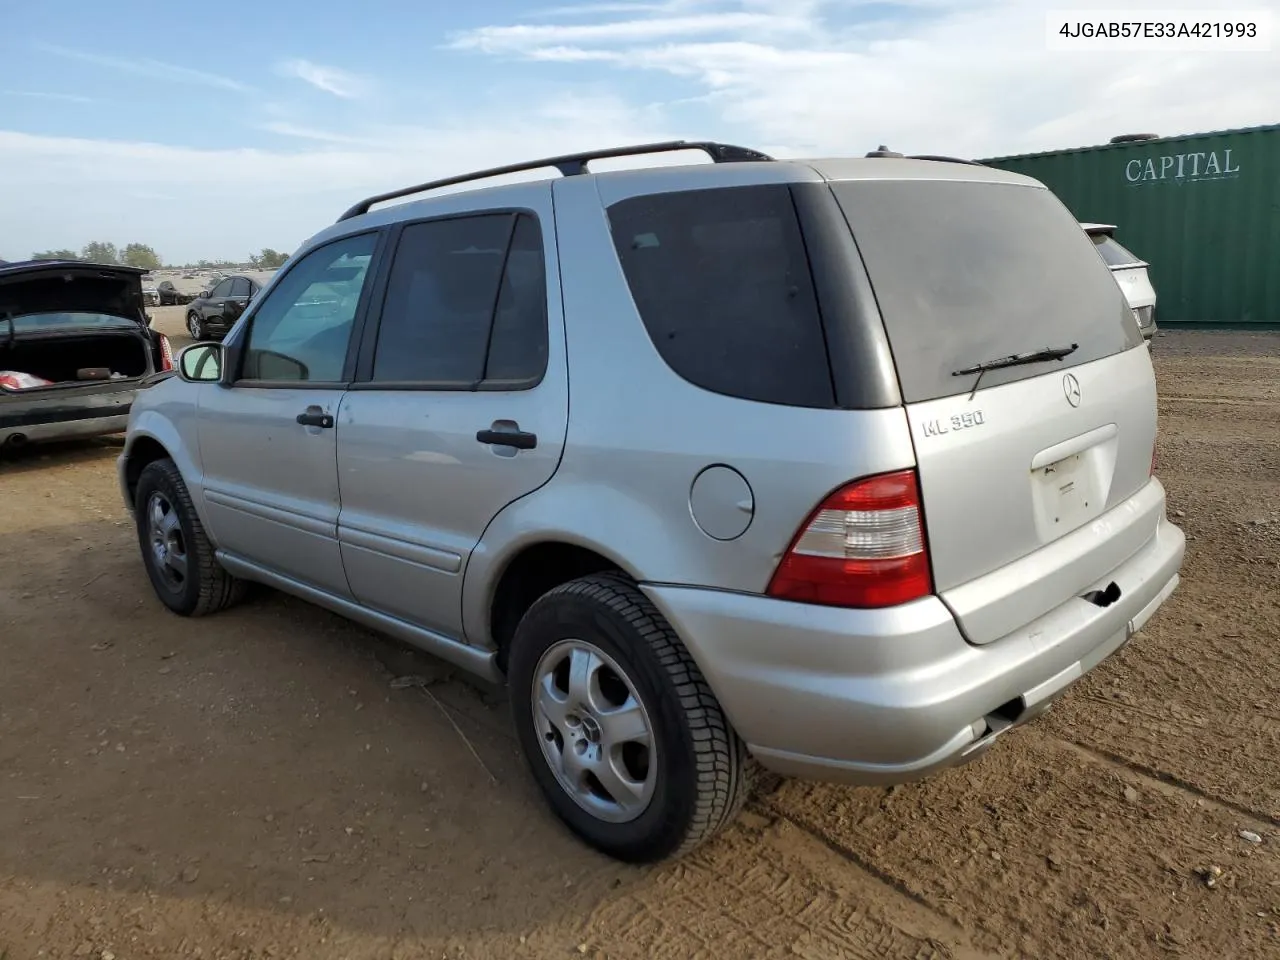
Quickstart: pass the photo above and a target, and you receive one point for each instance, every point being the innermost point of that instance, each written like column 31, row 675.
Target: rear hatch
column 1020, row 466
column 1130, row 272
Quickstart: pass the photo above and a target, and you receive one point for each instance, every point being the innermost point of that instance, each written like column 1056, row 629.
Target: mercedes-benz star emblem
column 1071, row 387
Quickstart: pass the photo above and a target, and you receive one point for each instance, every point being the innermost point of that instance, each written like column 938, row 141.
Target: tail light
column 864, row 546
column 166, row 353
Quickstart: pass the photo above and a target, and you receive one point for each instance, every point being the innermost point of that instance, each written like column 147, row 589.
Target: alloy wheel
column 167, row 544
column 595, row 732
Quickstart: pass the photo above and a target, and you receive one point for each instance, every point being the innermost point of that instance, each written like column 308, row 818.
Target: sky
column 216, row 133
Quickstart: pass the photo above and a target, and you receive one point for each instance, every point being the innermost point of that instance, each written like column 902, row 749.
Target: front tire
column 618, row 725
column 195, row 326
column 177, row 553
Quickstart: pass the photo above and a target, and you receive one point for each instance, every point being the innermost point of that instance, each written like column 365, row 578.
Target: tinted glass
column 223, row 289
column 301, row 331
column 967, row 272
column 1112, row 253
column 31, row 322
column 239, row 287
column 440, row 300
column 518, row 346
column 722, row 283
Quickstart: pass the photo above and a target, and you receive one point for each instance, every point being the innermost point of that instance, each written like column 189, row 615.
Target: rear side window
column 239, row 287
column 722, row 283
column 1113, row 254
column 466, row 302
column 966, row 272
column 518, row 344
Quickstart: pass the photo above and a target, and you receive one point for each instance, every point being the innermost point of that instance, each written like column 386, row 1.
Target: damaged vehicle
column 75, row 347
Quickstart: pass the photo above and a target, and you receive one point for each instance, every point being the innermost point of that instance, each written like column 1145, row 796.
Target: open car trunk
column 72, row 323
column 79, row 358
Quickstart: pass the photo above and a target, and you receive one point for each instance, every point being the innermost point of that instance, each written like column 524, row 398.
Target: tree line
column 98, row 251
column 145, row 257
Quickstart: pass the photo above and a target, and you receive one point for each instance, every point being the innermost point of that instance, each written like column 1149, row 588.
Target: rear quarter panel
column 639, row 435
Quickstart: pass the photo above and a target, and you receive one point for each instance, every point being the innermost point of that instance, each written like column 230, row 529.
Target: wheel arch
column 153, row 437
column 529, row 572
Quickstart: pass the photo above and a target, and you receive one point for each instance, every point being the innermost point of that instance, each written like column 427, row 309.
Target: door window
column 223, row 289
column 239, row 287
column 301, row 330
column 466, row 302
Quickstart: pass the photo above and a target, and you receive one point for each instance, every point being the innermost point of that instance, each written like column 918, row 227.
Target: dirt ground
column 253, row 785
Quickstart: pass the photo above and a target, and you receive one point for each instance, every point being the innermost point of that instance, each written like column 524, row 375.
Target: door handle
column 313, row 419
column 520, row 439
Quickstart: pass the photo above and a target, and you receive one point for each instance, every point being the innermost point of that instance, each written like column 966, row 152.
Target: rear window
column 1113, row 254
column 37, row 322
column 966, row 272
column 722, row 283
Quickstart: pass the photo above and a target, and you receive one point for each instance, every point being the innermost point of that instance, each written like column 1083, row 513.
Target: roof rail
column 940, row 159
column 885, row 152
column 570, row 164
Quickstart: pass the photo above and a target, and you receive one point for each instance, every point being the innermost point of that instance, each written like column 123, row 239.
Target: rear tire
column 177, row 553
column 600, row 682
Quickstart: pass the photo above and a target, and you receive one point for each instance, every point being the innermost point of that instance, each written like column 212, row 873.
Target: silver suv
column 837, row 468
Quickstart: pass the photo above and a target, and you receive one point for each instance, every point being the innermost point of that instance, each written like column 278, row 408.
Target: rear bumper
column 887, row 696
column 51, row 416
column 65, row 430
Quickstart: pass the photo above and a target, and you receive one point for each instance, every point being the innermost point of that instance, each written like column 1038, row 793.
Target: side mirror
column 201, row 363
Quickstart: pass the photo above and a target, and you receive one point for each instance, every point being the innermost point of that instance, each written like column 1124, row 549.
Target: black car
column 211, row 315
column 171, row 295
column 76, row 345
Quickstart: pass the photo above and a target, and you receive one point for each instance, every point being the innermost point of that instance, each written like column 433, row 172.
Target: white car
column 1130, row 272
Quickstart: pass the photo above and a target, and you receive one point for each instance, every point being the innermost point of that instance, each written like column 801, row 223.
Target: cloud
column 588, row 9
column 523, row 38
column 145, row 67
column 47, row 95
column 962, row 77
column 282, row 195
column 340, row 83
column 286, row 129
column 789, row 77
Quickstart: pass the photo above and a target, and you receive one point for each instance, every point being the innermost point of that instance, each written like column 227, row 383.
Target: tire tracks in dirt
column 770, row 887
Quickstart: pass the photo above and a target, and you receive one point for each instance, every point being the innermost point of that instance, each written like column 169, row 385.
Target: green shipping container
column 1203, row 210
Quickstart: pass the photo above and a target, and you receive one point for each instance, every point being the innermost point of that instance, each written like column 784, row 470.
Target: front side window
column 223, row 289
column 465, row 302
column 301, row 331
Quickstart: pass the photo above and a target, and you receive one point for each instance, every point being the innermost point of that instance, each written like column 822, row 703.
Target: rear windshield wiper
column 1014, row 360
